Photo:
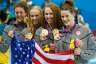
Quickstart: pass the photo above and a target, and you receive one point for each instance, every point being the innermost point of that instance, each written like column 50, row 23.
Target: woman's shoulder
column 25, row 31
column 84, row 29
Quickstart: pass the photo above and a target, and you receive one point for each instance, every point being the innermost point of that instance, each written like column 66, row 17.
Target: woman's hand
column 78, row 42
column 28, row 36
column 77, row 51
column 11, row 34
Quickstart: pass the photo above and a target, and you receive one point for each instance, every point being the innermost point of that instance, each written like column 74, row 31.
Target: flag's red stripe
column 65, row 52
column 36, row 61
column 70, row 61
column 52, row 60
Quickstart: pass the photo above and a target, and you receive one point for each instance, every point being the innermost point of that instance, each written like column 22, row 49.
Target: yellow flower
column 46, row 49
column 72, row 46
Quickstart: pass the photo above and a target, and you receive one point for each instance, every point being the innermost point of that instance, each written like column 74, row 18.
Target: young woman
column 18, row 25
column 34, row 21
column 36, row 16
column 52, row 20
column 73, row 33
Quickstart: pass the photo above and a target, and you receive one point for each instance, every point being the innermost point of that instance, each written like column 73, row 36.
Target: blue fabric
column 22, row 52
column 2, row 26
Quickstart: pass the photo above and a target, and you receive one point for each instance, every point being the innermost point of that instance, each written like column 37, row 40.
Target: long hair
column 57, row 16
column 30, row 26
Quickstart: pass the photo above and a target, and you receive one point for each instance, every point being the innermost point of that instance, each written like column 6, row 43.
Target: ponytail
column 68, row 5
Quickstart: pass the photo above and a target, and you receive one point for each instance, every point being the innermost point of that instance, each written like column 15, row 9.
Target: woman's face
column 49, row 15
column 20, row 14
column 35, row 16
column 67, row 17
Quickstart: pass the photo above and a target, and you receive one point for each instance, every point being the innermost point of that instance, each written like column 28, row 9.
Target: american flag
column 29, row 52
column 22, row 51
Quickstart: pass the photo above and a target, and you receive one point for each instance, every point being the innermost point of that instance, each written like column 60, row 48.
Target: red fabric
column 53, row 61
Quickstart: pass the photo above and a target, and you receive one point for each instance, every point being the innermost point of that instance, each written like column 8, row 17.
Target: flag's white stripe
column 33, row 63
column 41, row 60
column 54, row 56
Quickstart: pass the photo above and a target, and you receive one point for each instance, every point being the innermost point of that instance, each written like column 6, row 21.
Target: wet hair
column 57, row 16
column 68, row 5
column 22, row 5
column 3, row 15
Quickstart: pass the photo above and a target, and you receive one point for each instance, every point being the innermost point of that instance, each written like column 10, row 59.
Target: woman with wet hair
column 75, row 37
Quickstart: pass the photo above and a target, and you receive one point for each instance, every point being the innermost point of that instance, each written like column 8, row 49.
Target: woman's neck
column 19, row 22
column 70, row 27
column 51, row 25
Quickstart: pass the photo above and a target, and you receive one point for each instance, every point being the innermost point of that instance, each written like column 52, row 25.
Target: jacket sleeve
column 88, row 50
column 4, row 45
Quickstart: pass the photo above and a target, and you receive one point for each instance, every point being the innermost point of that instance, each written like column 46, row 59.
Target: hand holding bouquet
column 78, row 42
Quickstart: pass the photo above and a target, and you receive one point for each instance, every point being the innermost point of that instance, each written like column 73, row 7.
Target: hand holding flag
column 22, row 53
column 28, row 36
column 78, row 44
column 11, row 34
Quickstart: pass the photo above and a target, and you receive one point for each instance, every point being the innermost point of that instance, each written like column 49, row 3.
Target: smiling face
column 20, row 14
column 67, row 17
column 49, row 15
column 35, row 16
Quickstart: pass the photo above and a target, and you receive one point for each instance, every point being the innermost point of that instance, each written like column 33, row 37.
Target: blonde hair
column 36, row 7
column 29, row 22
column 40, row 22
